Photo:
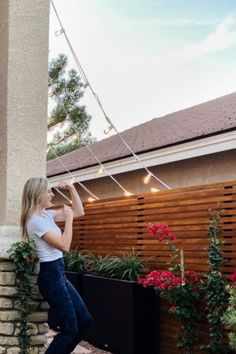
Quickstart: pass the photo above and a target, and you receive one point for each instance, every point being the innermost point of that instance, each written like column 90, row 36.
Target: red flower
column 167, row 280
column 172, row 309
column 233, row 277
column 191, row 276
column 162, row 232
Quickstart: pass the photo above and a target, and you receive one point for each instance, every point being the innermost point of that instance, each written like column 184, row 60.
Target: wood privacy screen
column 119, row 225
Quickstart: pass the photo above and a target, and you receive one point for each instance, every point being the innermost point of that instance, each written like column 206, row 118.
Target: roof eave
column 200, row 147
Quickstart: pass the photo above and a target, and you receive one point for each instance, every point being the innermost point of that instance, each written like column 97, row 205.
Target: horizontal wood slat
column 119, row 225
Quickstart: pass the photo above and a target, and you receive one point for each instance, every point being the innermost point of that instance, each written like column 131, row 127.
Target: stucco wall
column 23, row 99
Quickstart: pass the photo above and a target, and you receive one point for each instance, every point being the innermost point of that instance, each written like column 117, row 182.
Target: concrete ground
column 82, row 348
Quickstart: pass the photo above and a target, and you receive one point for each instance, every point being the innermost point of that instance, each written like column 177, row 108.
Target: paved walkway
column 83, row 348
column 78, row 350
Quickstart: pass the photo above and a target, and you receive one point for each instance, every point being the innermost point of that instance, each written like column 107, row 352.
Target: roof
column 206, row 119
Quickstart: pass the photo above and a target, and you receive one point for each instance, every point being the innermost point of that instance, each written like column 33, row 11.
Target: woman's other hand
column 64, row 185
column 67, row 213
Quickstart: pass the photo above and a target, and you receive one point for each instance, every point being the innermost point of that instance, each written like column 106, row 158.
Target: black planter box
column 126, row 315
column 76, row 279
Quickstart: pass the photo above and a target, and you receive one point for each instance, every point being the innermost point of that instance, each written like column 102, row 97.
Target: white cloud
column 135, row 84
column 178, row 22
column 221, row 38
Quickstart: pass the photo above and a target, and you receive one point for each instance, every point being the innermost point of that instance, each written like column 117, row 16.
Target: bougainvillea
column 161, row 231
column 182, row 289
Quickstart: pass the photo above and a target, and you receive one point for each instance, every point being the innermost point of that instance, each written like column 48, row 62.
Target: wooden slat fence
column 119, row 225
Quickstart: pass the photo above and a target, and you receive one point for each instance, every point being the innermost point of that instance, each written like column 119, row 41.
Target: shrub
column 76, row 261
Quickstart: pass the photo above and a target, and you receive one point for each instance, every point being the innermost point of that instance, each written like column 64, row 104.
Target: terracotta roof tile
column 209, row 118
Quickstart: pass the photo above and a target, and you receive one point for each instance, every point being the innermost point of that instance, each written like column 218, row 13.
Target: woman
column 38, row 224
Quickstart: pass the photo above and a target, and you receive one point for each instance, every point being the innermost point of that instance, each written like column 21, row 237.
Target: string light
column 59, row 32
column 64, row 196
column 108, row 129
column 90, row 200
column 154, row 190
column 83, row 87
column 101, row 170
column 76, row 180
column 127, row 193
column 147, row 178
column 50, row 93
column 74, row 138
column 88, row 147
column 99, row 102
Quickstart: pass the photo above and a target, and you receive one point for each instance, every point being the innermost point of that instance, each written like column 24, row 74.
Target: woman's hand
column 77, row 205
column 65, row 185
column 67, row 213
column 62, row 243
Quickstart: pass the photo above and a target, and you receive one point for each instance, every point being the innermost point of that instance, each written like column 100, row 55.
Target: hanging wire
column 58, row 190
column 137, row 158
column 73, row 177
column 102, row 167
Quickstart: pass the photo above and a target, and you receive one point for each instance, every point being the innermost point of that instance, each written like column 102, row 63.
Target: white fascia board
column 201, row 147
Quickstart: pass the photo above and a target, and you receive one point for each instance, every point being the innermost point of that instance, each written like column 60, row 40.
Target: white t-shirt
column 39, row 225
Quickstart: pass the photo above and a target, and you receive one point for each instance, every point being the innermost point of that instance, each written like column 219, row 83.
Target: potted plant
column 125, row 313
column 76, row 263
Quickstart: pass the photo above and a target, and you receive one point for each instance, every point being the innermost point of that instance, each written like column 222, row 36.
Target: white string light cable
column 63, row 195
column 111, row 125
column 73, row 177
column 102, row 168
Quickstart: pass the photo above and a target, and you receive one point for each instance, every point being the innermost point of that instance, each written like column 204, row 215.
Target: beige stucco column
column 23, row 105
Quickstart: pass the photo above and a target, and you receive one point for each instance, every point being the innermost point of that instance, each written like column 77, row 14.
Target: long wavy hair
column 34, row 193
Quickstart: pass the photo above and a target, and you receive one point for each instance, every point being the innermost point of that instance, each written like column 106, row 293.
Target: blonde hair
column 33, row 195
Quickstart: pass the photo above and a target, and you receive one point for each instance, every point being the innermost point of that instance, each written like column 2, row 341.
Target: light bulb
column 90, row 199
column 108, row 129
column 83, row 87
column 146, row 179
column 154, row 190
column 51, row 93
column 74, row 138
column 127, row 194
column 101, row 170
column 59, row 32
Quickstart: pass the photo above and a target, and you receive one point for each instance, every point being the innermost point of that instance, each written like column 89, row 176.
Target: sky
column 147, row 58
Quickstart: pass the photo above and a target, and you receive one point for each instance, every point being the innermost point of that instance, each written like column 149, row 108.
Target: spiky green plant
column 76, row 261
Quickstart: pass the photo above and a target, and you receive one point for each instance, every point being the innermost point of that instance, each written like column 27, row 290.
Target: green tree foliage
column 65, row 91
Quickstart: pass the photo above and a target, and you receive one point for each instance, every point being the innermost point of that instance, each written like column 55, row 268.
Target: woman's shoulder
column 39, row 224
column 49, row 212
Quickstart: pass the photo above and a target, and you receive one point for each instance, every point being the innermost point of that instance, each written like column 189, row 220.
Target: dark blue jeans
column 73, row 317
